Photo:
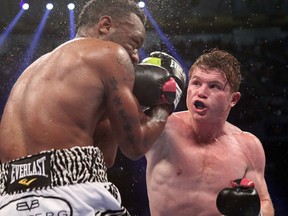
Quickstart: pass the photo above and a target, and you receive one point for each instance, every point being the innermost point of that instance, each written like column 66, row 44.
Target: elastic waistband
column 53, row 168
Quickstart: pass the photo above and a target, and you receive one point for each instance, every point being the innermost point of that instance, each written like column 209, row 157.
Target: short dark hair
column 222, row 60
column 94, row 9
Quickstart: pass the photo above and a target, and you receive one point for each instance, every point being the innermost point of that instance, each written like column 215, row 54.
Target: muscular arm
column 266, row 203
column 256, row 173
column 133, row 131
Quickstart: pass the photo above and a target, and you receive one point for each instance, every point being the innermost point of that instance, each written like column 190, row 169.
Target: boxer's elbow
column 109, row 162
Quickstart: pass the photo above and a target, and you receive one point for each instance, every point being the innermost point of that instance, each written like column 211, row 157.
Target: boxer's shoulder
column 180, row 117
column 93, row 47
column 96, row 45
column 232, row 129
column 235, row 131
column 94, row 53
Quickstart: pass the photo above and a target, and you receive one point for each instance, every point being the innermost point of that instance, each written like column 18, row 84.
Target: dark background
column 255, row 31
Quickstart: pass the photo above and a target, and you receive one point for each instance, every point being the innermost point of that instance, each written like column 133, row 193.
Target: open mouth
column 199, row 105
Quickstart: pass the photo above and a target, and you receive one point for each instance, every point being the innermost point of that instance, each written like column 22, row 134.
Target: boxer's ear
column 235, row 98
column 105, row 23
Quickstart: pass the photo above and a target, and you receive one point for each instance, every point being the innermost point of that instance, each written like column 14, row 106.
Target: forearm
column 154, row 126
column 267, row 208
column 151, row 125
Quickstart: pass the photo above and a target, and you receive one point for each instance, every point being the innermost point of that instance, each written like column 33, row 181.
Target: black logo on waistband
column 26, row 205
column 29, row 172
column 36, row 205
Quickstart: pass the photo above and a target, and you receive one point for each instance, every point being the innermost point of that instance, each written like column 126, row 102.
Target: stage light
column 25, row 6
column 4, row 35
column 49, row 6
column 30, row 52
column 141, row 4
column 71, row 6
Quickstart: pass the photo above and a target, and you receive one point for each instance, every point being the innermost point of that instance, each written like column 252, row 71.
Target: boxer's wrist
column 159, row 113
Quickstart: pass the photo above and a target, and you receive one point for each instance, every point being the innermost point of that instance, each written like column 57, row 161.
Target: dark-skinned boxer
column 53, row 132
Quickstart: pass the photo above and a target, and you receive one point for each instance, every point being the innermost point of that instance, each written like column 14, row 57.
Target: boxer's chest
column 220, row 163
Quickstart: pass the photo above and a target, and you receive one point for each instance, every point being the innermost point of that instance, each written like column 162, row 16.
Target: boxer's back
column 56, row 102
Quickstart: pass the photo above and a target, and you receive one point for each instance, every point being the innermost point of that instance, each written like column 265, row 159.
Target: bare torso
column 184, row 177
column 56, row 103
